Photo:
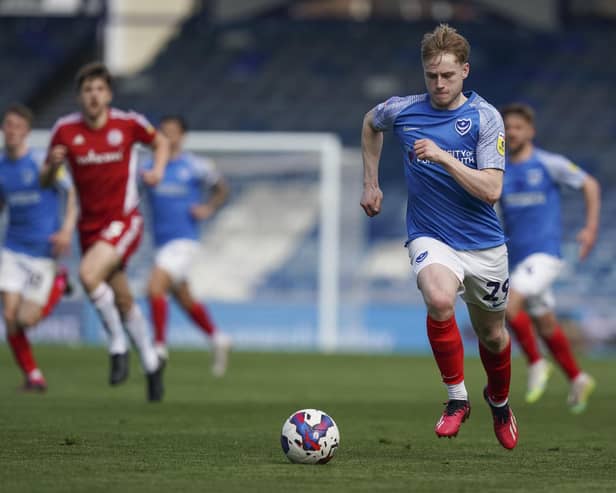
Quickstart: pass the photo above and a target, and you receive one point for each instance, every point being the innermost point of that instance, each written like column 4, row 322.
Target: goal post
column 328, row 148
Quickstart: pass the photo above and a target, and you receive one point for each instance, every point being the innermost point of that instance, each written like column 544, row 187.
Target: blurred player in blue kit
column 178, row 206
column 454, row 156
column 532, row 217
column 34, row 238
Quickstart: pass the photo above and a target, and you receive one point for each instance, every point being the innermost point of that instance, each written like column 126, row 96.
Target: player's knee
column 495, row 340
column 155, row 290
column 440, row 304
column 88, row 278
column 124, row 303
column 10, row 320
column 28, row 319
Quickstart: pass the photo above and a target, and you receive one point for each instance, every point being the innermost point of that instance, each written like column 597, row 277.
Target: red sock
column 158, row 310
column 201, row 317
column 447, row 348
column 522, row 328
column 55, row 294
column 22, row 351
column 498, row 369
column 561, row 350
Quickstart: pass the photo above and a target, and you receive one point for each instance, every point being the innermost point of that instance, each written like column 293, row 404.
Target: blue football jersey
column 183, row 185
column 530, row 203
column 33, row 211
column 438, row 207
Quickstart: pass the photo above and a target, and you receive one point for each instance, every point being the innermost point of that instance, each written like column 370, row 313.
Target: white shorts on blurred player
column 176, row 258
column 533, row 278
column 31, row 277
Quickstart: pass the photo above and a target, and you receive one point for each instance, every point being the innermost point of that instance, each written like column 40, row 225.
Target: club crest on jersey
column 79, row 140
column 114, row 137
column 463, row 125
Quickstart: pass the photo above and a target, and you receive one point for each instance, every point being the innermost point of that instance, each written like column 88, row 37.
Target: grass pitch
column 223, row 435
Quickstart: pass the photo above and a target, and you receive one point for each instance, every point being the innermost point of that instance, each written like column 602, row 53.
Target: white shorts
column 176, row 258
column 483, row 274
column 533, row 278
column 31, row 277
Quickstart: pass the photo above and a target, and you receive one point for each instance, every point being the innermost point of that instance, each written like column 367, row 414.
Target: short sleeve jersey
column 33, row 211
column 438, row 207
column 103, row 164
column 530, row 203
column 183, row 186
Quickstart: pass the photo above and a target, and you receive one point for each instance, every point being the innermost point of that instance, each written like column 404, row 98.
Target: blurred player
column 531, row 214
column 177, row 207
column 29, row 282
column 454, row 158
column 98, row 144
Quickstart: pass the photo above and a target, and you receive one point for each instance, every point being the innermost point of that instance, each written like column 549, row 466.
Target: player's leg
column 435, row 266
column 581, row 383
column 137, row 328
column 59, row 288
column 495, row 353
column 221, row 342
column 158, row 286
column 20, row 346
column 531, row 280
column 521, row 326
column 14, row 277
column 97, row 264
column 487, row 286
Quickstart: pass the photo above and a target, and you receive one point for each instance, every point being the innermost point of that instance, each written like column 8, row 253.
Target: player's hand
column 152, row 177
column 60, row 243
column 371, row 200
column 57, row 155
column 202, row 211
column 586, row 238
column 426, row 149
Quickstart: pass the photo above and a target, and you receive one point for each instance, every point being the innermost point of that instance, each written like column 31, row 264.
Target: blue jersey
column 531, row 203
column 182, row 187
column 34, row 212
column 438, row 207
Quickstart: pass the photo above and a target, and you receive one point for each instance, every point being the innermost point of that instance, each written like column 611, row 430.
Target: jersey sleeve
column 562, row 170
column 205, row 170
column 491, row 141
column 385, row 113
column 143, row 130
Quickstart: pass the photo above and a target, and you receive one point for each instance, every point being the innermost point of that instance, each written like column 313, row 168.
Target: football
column 310, row 436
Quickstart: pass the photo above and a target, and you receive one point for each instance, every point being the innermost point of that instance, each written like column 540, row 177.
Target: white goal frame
column 329, row 149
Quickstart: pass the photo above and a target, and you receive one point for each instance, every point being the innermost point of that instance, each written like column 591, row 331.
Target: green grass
column 223, row 435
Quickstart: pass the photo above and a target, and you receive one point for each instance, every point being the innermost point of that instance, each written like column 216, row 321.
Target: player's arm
column 55, row 158
column 485, row 184
column 61, row 239
column 161, row 154
column 219, row 192
column 371, row 147
column 588, row 235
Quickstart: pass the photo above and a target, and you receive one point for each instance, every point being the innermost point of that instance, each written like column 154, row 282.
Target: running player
column 98, row 143
column 177, row 208
column 454, row 158
column 531, row 212
column 33, row 239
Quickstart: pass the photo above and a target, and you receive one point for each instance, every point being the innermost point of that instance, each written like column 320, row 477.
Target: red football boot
column 456, row 412
column 505, row 425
